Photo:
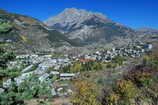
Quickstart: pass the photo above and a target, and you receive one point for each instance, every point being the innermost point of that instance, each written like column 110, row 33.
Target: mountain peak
column 86, row 26
column 72, row 10
column 82, row 11
column 74, row 16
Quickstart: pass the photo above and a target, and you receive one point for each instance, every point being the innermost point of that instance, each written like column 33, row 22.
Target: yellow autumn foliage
column 85, row 93
column 127, row 89
column 24, row 38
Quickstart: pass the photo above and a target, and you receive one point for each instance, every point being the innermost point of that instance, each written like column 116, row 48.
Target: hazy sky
column 133, row 13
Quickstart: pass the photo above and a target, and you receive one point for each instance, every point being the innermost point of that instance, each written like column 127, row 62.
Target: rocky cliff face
column 28, row 34
column 87, row 27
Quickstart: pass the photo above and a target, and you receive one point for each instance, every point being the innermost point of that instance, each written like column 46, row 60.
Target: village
column 48, row 68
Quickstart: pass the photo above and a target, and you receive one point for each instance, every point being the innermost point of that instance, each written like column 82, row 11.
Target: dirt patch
column 61, row 101
column 55, row 101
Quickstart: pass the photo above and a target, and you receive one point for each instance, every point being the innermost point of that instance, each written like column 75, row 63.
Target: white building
column 66, row 76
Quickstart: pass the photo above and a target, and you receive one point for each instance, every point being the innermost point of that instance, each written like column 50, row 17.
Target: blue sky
column 133, row 13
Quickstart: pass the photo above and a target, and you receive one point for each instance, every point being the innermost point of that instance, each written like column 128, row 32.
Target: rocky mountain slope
column 87, row 27
column 27, row 34
column 147, row 31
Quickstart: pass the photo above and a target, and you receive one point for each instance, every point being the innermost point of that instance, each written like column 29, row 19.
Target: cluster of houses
column 131, row 50
column 47, row 69
column 45, row 63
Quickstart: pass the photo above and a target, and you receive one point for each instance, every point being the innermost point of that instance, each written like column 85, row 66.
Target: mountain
column 27, row 34
column 147, row 31
column 72, row 27
column 87, row 27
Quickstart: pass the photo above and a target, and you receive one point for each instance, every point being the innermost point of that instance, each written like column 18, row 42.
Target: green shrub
column 5, row 27
column 5, row 57
column 34, row 88
column 29, row 89
column 118, row 60
column 9, row 73
column 11, row 96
